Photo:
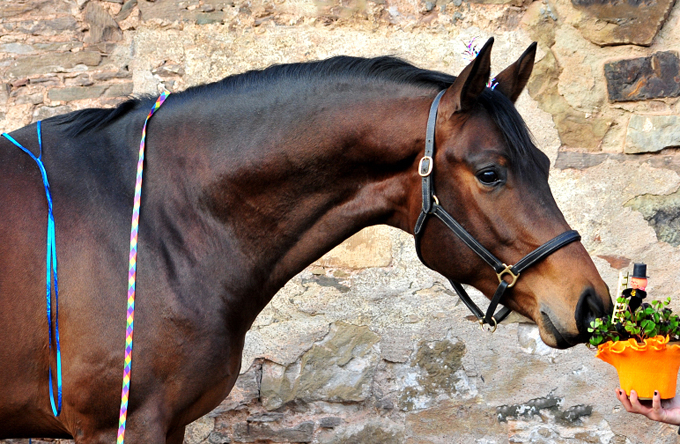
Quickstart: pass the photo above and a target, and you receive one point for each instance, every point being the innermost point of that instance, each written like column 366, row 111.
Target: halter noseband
column 431, row 206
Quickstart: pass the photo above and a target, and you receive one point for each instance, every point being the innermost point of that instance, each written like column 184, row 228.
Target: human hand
column 667, row 411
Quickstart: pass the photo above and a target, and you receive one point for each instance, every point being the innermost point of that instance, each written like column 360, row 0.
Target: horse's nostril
column 589, row 307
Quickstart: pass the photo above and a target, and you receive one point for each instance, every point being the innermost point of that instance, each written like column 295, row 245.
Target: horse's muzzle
column 590, row 306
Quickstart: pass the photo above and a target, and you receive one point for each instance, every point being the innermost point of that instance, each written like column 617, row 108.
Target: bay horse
column 249, row 180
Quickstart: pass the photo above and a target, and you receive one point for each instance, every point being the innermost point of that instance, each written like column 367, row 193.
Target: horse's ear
column 463, row 93
column 514, row 78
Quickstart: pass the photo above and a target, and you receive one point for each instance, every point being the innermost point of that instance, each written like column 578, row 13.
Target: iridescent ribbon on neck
column 50, row 272
column 132, row 276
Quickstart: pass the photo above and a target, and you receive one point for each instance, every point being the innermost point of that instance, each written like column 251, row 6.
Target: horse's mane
column 385, row 69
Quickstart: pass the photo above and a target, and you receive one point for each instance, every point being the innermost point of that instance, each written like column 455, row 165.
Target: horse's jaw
column 551, row 336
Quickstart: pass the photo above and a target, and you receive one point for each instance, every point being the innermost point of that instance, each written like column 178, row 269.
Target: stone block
column 435, row 367
column 199, row 430
column 372, row 432
column 172, row 11
column 580, row 161
column 44, row 27
column 16, row 48
column 644, row 77
column 108, row 75
column 661, row 213
column 47, row 63
column 126, row 10
column 119, row 90
column 266, row 417
column 614, row 22
column 76, row 93
column 247, row 432
column 649, row 134
column 571, row 416
column 339, row 368
column 45, row 112
column 218, row 438
column 539, row 21
column 33, row 99
column 13, row 9
column 371, row 247
column 449, row 420
column 576, row 129
column 4, row 93
column 83, row 79
column 58, row 46
column 330, row 422
column 103, row 28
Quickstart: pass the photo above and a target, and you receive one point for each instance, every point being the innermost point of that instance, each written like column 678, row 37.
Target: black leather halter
column 431, row 206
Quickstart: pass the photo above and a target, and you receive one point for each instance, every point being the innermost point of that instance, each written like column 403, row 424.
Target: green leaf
column 648, row 326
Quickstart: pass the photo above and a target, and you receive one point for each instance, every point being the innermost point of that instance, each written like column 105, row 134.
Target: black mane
column 385, row 69
column 390, row 69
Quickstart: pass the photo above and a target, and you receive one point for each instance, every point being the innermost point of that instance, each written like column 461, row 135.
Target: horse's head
column 490, row 177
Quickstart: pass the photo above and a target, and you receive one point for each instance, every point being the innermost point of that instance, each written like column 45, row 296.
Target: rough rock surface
column 643, row 78
column 367, row 345
column 612, row 22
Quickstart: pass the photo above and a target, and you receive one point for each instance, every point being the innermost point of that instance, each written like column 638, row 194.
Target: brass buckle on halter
column 508, row 270
column 490, row 328
column 430, row 164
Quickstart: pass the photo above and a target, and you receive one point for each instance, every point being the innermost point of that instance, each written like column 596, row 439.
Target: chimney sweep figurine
column 638, row 284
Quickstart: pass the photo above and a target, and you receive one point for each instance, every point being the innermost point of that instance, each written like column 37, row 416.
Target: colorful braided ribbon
column 51, row 272
column 132, row 276
column 470, row 53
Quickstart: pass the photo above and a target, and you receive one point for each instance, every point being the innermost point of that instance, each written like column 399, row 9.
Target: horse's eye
column 488, row 177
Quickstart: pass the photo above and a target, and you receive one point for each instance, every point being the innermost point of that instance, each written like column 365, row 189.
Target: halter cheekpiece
column 507, row 274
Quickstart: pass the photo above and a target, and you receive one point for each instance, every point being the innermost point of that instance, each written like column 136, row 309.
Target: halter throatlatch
column 507, row 274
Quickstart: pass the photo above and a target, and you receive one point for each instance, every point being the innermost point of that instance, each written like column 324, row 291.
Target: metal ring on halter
column 490, row 328
column 425, row 169
column 508, row 270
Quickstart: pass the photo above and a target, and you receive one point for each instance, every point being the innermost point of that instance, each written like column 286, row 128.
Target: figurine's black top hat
column 640, row 271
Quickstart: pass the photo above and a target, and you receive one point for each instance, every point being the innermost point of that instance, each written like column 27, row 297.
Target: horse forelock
column 520, row 142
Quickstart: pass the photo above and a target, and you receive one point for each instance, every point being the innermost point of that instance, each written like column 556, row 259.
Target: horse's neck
column 288, row 198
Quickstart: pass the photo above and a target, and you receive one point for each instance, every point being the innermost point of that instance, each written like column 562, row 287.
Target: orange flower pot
column 652, row 365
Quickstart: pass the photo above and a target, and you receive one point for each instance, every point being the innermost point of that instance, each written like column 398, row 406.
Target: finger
column 623, row 399
column 656, row 402
column 638, row 407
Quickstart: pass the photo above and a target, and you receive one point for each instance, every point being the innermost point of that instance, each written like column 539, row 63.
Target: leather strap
column 431, row 205
column 467, row 238
column 426, row 164
column 546, row 249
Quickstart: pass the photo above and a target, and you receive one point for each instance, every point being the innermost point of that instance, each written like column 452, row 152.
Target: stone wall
column 367, row 345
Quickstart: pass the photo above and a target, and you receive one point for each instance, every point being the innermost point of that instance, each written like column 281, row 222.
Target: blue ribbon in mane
column 51, row 272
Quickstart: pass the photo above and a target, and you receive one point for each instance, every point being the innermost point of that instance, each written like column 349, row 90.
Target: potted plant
column 638, row 340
